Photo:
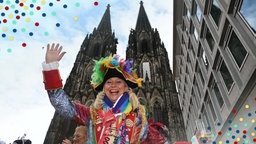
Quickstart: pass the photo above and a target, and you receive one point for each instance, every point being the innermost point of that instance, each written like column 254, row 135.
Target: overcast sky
column 26, row 28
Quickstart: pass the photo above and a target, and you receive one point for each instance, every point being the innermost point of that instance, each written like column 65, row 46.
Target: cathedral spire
column 105, row 24
column 142, row 21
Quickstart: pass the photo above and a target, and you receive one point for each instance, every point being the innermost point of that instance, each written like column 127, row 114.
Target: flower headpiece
column 114, row 66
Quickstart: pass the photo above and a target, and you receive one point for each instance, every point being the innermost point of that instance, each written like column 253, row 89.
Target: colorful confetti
column 21, row 18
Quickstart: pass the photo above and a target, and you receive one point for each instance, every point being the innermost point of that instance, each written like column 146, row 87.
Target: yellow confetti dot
column 75, row 18
column 238, row 139
column 11, row 38
column 1, row 7
column 42, row 2
column 253, row 134
column 253, row 120
column 202, row 135
column 247, row 106
column 27, row 19
column 23, row 0
column 220, row 142
column 10, row 16
column 25, row 7
column 241, row 119
column 4, row 29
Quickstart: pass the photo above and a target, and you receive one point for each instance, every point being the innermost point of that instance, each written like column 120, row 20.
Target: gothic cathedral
column 150, row 59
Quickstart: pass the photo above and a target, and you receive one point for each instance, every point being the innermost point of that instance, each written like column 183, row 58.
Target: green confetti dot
column 245, row 125
column 13, row 6
column 228, row 134
column 77, row 4
column 235, row 126
column 246, row 141
column 46, row 33
column 31, row 13
column 8, row 2
column 53, row 13
column 212, row 135
column 9, row 50
column 14, row 22
column 34, row 1
column 23, row 29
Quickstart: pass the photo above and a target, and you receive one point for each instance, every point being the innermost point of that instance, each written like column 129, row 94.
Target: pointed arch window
column 157, row 111
column 146, row 71
column 144, row 46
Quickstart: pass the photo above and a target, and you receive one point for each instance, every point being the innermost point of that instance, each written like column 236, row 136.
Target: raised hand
column 53, row 53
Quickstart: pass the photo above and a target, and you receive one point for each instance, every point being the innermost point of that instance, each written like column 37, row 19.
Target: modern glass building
column 214, row 66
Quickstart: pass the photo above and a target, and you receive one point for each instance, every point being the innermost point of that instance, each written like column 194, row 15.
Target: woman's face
column 79, row 137
column 114, row 88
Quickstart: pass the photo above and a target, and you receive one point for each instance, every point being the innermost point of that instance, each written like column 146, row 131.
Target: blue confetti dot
column 65, row 6
column 209, row 128
column 227, row 141
column 233, row 137
column 3, row 35
column 2, row 14
column 50, row 4
column 230, row 128
column 23, row 14
column 14, row 30
column 244, row 136
column 237, row 131
column 230, row 121
column 17, row 1
column 1, row 1
column 249, row 114
column 16, row 11
column 57, row 24
column 30, row 34
column 254, row 128
column 214, row 142
column 218, row 123
column 44, row 14
column 31, row 5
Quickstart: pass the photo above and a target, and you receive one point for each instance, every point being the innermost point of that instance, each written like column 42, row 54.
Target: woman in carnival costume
column 116, row 117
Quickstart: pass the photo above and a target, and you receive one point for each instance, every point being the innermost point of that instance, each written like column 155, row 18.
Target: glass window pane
column 249, row 13
column 203, row 57
column 226, row 75
column 198, row 13
column 237, row 49
column 210, row 39
column 218, row 95
column 215, row 12
column 196, row 34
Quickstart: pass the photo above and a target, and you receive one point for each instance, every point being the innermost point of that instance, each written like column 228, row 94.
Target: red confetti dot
column 6, row 8
column 96, row 3
column 21, row 4
column 244, row 132
column 57, row 0
column 24, row 44
column 254, row 99
column 4, row 20
column 17, row 17
column 38, row 8
column 234, row 111
column 235, row 142
column 219, row 133
column 36, row 24
column 254, row 140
